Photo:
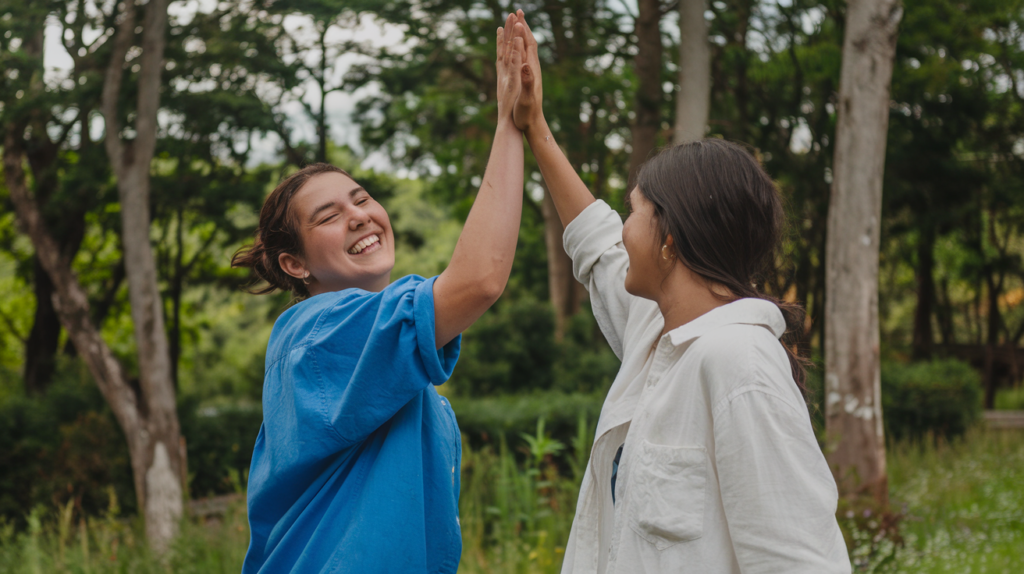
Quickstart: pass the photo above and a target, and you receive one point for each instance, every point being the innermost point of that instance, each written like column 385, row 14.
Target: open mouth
column 366, row 245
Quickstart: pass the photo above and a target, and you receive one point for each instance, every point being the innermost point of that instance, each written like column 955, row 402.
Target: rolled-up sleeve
column 778, row 493
column 594, row 243
column 375, row 353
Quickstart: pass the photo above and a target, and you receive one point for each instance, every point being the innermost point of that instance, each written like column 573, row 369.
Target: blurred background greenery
column 251, row 90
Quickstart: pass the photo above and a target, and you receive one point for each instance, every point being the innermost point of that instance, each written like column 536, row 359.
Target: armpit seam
column 746, row 389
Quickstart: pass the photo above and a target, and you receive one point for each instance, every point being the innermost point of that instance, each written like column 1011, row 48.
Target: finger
column 501, row 43
column 510, row 21
column 528, row 37
column 517, row 59
column 507, row 39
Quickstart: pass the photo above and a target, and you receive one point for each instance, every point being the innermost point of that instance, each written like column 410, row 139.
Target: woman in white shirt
column 704, row 458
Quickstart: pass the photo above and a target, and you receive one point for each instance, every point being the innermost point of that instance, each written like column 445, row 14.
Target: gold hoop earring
column 305, row 278
column 666, row 257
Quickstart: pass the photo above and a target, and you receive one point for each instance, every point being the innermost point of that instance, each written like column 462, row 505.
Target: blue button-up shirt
column 356, row 467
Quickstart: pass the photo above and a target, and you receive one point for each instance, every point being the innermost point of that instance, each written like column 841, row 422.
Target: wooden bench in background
column 1004, row 419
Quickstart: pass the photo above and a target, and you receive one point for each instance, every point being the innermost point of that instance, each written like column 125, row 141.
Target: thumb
column 526, row 74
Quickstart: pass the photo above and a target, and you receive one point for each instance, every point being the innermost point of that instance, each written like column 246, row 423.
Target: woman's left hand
column 509, row 62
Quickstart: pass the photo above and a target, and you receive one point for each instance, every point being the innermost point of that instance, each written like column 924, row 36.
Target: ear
column 291, row 265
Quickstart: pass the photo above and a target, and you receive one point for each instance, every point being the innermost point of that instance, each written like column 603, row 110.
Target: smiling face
column 640, row 237
column 346, row 236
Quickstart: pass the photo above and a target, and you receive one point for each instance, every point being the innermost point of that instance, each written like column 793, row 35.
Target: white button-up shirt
column 720, row 471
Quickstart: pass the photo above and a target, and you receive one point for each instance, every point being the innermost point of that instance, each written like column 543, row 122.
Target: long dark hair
column 726, row 218
column 278, row 233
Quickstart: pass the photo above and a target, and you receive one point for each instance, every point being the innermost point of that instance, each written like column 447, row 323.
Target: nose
column 359, row 218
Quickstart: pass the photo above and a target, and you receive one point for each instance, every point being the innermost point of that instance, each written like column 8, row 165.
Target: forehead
column 323, row 188
column 636, row 197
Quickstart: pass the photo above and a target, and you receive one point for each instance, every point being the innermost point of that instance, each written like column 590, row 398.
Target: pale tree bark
column 157, row 461
column 853, row 409
column 565, row 291
column 693, row 101
column 648, row 94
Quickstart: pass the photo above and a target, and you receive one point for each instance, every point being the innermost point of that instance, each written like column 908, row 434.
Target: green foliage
column 220, row 443
column 61, row 447
column 512, row 349
column 1010, row 399
column 66, row 447
column 940, row 398
column 962, row 506
column 489, row 418
column 65, row 541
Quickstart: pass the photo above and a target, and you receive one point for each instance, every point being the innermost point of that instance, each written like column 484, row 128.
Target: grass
column 961, row 509
column 962, row 505
column 1010, row 399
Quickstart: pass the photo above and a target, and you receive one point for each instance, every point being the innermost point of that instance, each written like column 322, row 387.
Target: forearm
column 487, row 244
column 482, row 260
column 568, row 191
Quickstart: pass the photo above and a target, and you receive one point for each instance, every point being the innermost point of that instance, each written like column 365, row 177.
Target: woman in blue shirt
column 356, row 467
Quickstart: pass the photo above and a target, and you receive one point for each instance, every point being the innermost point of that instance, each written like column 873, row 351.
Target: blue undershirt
column 356, row 466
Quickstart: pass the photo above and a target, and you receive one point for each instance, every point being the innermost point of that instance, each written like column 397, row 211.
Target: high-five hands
column 528, row 110
column 509, row 62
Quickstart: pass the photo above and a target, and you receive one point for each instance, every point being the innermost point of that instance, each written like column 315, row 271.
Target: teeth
column 358, row 247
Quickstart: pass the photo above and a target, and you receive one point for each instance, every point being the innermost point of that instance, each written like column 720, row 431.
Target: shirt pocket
column 668, row 493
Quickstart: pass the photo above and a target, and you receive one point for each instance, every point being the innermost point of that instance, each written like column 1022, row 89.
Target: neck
column 684, row 297
column 373, row 285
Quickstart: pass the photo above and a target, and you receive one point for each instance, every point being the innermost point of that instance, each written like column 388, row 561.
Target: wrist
column 538, row 127
column 505, row 124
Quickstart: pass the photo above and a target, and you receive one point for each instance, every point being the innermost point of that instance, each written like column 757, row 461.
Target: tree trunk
column 922, row 341
column 853, row 409
column 944, row 311
column 44, row 338
column 156, row 461
column 648, row 94
column 993, row 324
column 694, row 97
column 565, row 291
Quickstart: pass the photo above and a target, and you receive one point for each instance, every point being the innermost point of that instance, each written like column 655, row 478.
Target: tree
column 157, row 459
column 147, row 415
column 852, row 369
column 693, row 100
column 649, row 95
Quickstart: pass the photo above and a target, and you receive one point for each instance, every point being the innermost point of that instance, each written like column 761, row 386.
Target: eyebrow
column 331, row 204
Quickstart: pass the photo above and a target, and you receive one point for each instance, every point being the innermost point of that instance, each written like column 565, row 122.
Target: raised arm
column 482, row 260
column 568, row 191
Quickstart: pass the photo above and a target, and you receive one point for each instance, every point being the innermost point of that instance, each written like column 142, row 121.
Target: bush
column 940, row 397
column 486, row 419
column 65, row 445
column 60, row 446
column 512, row 349
column 1010, row 399
column 220, row 442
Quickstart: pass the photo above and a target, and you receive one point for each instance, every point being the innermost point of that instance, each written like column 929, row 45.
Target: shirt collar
column 750, row 311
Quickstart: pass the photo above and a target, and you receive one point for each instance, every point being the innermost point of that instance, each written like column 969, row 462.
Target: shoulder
column 739, row 358
column 307, row 321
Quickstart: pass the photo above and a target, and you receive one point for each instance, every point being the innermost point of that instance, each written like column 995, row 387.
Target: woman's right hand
column 509, row 62
column 529, row 110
